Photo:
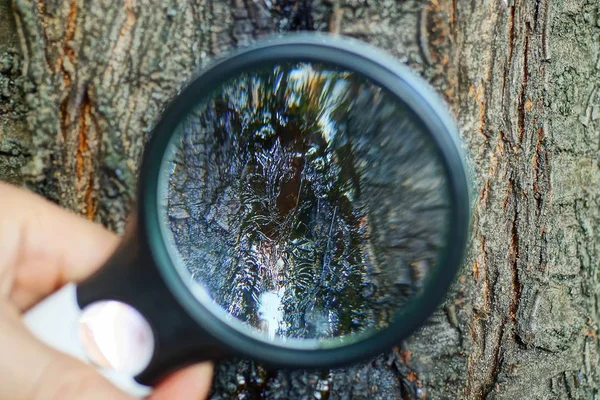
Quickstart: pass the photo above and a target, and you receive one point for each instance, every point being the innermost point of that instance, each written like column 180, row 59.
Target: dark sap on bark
column 305, row 201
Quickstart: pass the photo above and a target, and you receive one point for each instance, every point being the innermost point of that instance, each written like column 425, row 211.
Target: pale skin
column 43, row 247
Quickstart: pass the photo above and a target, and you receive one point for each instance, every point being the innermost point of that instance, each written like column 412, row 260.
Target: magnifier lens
column 304, row 204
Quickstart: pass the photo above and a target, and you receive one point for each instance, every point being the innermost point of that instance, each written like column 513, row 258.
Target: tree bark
column 522, row 78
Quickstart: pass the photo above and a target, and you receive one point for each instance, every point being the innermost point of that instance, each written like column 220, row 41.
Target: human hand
column 43, row 247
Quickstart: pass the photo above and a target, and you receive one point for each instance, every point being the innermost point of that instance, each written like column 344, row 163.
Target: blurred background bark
column 83, row 82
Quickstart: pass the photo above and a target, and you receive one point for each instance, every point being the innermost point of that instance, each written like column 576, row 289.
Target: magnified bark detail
column 304, row 199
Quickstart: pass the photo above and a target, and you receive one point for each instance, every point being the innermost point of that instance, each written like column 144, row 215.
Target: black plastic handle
column 131, row 276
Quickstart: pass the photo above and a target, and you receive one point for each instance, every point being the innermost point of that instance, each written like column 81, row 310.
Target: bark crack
column 82, row 147
column 496, row 361
column 453, row 17
column 511, row 33
column 480, row 95
column 69, row 35
column 82, row 158
column 522, row 110
column 424, row 35
column 538, row 169
column 510, row 46
column 68, row 52
column 514, row 251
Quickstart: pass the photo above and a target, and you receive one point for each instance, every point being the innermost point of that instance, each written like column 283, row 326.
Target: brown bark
column 523, row 79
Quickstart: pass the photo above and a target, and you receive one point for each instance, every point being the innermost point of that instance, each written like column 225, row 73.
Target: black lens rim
column 388, row 73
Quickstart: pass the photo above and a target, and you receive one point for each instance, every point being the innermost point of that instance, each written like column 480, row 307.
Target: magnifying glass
column 303, row 202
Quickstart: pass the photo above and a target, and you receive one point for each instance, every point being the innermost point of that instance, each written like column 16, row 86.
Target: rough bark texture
column 523, row 79
column 14, row 139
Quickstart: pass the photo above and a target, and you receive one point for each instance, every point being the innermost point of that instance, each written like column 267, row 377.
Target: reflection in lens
column 307, row 202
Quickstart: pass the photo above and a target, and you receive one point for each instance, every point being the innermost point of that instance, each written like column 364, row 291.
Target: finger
column 31, row 370
column 43, row 246
column 189, row 383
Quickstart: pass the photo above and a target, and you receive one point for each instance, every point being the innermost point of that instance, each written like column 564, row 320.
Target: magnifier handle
column 55, row 321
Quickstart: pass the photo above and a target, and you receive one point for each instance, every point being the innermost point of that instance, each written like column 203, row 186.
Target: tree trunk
column 522, row 78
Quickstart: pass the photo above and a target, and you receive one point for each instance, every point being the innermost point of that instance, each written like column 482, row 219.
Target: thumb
column 30, row 370
column 68, row 379
column 188, row 383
